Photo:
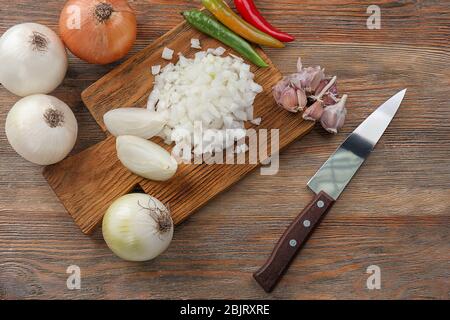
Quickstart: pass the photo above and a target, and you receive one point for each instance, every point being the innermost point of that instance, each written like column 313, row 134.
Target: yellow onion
column 98, row 31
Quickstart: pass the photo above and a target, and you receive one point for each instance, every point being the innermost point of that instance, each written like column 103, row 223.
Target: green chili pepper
column 215, row 29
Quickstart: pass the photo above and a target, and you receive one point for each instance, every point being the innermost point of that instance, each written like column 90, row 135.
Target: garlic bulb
column 145, row 158
column 307, row 78
column 33, row 59
column 137, row 122
column 309, row 90
column 137, row 227
column 41, row 128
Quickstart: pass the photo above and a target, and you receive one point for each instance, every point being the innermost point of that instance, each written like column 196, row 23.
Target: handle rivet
column 307, row 223
column 293, row 243
column 320, row 204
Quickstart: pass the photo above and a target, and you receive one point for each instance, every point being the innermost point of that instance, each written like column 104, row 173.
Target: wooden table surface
column 395, row 213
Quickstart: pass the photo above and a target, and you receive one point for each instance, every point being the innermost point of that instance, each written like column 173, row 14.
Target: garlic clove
column 302, row 99
column 330, row 97
column 145, row 158
column 319, row 94
column 279, row 88
column 289, row 100
column 321, row 86
column 317, row 74
column 333, row 117
column 314, row 112
column 286, row 96
column 137, row 122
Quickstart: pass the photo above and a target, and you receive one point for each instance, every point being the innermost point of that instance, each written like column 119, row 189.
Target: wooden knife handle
column 292, row 241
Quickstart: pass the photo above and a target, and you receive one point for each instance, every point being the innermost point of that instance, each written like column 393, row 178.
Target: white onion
column 256, row 121
column 156, row 69
column 33, row 59
column 41, row 128
column 137, row 227
column 219, row 51
column 167, row 54
column 145, row 158
column 217, row 92
column 134, row 121
column 195, row 44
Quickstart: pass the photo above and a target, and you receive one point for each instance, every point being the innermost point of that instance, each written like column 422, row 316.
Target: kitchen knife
column 328, row 183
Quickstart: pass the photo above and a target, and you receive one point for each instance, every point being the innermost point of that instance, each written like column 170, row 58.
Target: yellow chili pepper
column 228, row 17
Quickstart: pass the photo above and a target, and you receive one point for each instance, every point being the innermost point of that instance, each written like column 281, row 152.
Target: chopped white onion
column 137, row 122
column 195, row 44
column 156, row 70
column 256, row 121
column 216, row 92
column 236, row 57
column 219, row 51
column 167, row 54
column 145, row 158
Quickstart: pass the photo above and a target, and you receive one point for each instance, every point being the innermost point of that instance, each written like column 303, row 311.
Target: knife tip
column 401, row 94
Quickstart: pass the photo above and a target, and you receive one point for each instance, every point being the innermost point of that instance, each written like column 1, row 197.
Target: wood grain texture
column 394, row 214
column 89, row 182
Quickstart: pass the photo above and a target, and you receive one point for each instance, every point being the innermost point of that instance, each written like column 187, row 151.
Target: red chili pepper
column 250, row 13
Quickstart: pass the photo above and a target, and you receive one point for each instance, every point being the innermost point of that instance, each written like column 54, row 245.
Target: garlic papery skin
column 42, row 129
column 145, row 158
column 137, row 227
column 137, row 122
column 33, row 59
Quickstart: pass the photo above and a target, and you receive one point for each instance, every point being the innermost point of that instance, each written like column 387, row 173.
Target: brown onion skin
column 99, row 42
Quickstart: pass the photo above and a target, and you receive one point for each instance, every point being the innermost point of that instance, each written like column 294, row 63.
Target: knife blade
column 328, row 184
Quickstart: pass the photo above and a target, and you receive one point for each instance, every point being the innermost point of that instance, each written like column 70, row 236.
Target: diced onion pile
column 216, row 91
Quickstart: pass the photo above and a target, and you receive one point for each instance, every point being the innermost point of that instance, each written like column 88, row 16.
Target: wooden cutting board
column 87, row 183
